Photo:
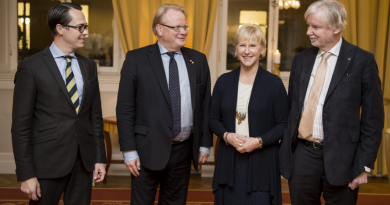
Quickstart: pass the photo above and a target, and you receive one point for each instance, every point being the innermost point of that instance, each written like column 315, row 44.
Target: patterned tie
column 71, row 84
column 174, row 94
column 306, row 126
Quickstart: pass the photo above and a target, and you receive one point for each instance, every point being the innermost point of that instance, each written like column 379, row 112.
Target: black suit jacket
column 351, row 138
column 143, row 108
column 46, row 130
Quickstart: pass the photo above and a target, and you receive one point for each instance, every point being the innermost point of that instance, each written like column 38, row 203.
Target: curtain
column 134, row 20
column 368, row 27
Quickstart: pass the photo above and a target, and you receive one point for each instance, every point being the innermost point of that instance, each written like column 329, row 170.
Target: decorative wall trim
column 7, row 163
column 7, row 80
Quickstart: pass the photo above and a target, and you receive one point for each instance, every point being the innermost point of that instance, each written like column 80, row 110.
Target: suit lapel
column 52, row 65
column 308, row 63
column 158, row 68
column 191, row 69
column 342, row 64
column 83, row 69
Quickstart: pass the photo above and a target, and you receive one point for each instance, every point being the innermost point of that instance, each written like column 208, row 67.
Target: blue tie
column 174, row 94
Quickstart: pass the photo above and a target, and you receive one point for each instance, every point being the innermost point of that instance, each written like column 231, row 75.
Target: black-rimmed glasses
column 177, row 28
column 81, row 28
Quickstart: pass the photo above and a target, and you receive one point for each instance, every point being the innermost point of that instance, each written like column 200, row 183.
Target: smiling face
column 168, row 37
column 72, row 39
column 320, row 34
column 248, row 51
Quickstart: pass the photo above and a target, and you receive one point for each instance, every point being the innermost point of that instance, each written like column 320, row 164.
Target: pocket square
column 90, row 80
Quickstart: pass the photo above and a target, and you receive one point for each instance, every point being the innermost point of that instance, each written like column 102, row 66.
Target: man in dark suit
column 336, row 117
column 163, row 110
column 57, row 125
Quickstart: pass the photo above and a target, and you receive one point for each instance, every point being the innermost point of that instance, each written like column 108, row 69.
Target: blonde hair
column 159, row 16
column 248, row 31
column 334, row 13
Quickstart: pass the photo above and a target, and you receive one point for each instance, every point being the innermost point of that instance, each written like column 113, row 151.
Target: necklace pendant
column 240, row 116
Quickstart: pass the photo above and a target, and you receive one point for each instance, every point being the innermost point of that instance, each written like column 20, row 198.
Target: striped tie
column 71, row 84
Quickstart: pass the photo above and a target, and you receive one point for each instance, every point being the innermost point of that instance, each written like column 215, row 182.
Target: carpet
column 13, row 196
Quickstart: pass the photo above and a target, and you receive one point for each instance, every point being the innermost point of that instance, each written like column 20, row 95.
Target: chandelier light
column 286, row 4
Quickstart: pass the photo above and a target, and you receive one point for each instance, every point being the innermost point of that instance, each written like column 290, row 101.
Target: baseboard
column 7, row 163
column 118, row 169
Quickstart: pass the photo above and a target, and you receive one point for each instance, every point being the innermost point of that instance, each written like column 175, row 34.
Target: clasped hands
column 242, row 143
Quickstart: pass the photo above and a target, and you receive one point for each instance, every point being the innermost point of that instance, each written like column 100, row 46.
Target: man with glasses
column 57, row 125
column 163, row 111
column 336, row 113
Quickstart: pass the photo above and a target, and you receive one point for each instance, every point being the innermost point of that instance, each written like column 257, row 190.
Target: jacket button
column 296, row 119
column 169, row 127
column 78, row 119
column 75, row 136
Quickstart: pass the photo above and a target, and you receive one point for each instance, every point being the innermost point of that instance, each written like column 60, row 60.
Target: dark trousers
column 173, row 179
column 77, row 187
column 308, row 180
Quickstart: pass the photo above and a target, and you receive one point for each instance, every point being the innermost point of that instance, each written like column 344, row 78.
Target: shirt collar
column 163, row 50
column 57, row 53
column 335, row 50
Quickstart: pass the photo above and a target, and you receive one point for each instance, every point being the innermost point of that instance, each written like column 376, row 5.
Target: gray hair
column 334, row 13
column 159, row 16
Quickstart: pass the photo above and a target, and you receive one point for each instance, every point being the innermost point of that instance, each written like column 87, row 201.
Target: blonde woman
column 249, row 111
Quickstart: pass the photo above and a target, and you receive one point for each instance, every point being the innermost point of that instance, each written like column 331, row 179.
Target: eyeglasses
column 178, row 28
column 81, row 28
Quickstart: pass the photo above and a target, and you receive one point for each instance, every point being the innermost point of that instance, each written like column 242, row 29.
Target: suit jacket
column 46, row 130
column 143, row 109
column 351, row 138
column 267, row 118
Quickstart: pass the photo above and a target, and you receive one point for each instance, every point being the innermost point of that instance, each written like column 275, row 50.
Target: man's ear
column 59, row 29
column 337, row 30
column 159, row 30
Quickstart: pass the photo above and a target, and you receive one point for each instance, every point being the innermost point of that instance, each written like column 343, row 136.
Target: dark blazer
column 46, row 130
column 143, row 108
column 268, row 112
column 351, row 139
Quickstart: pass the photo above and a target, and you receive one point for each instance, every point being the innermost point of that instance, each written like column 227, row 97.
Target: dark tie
column 71, row 83
column 174, row 94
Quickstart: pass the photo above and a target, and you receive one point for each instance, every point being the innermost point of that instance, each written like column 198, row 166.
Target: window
column 31, row 33
column 292, row 34
column 236, row 13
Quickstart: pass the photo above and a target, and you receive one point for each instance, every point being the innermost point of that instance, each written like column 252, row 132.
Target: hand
column 233, row 139
column 359, row 180
column 250, row 144
column 202, row 157
column 134, row 166
column 31, row 188
column 99, row 172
